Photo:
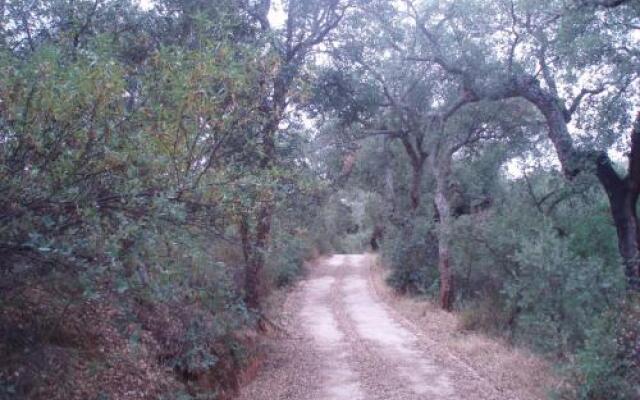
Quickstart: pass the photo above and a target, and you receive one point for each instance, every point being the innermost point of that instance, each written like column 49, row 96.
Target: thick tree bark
column 441, row 165
column 416, row 184
column 623, row 199
column 623, row 209
column 254, row 248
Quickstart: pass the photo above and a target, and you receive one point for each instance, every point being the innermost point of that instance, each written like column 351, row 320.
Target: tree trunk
column 624, row 214
column 254, row 251
column 442, row 171
column 418, row 158
column 389, row 187
column 255, row 245
column 623, row 197
column 416, row 183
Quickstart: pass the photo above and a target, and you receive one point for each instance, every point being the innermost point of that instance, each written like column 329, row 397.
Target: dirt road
column 345, row 343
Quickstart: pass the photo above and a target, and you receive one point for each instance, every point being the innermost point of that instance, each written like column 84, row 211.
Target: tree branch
column 568, row 113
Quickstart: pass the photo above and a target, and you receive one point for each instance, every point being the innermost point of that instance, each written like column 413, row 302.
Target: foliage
column 286, row 258
column 409, row 249
column 129, row 154
column 153, row 163
column 605, row 366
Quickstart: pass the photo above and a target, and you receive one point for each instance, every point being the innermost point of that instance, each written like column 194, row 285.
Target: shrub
column 558, row 293
column 607, row 367
column 411, row 253
column 552, row 282
column 286, row 258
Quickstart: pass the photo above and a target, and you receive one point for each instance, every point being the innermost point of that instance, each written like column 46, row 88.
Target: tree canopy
column 192, row 155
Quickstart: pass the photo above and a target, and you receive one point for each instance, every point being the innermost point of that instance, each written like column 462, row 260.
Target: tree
column 538, row 64
column 306, row 26
column 414, row 103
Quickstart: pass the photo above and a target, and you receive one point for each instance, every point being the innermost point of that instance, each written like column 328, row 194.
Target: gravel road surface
column 341, row 341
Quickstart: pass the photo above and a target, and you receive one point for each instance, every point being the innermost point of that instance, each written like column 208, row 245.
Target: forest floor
column 346, row 336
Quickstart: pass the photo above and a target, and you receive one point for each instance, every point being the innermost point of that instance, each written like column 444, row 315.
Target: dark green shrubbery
column 127, row 160
column 286, row 258
column 410, row 250
column 607, row 366
column 545, row 275
column 548, row 281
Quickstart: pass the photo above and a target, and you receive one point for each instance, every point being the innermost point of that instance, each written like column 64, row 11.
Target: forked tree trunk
column 418, row 157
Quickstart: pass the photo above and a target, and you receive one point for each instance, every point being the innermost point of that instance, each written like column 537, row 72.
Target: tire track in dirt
column 346, row 343
column 391, row 365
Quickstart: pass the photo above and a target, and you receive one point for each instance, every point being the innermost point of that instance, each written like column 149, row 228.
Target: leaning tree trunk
column 623, row 198
column 621, row 191
column 442, row 172
column 623, row 209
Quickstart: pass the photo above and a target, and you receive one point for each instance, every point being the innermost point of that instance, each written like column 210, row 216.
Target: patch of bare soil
column 345, row 336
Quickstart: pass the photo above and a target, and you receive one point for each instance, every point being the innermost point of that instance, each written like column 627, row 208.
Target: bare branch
column 260, row 12
column 603, row 3
column 568, row 113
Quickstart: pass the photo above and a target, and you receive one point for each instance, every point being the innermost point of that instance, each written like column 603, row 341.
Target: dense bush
column 608, row 364
column 542, row 274
column 411, row 250
column 128, row 159
column 543, row 278
column 286, row 258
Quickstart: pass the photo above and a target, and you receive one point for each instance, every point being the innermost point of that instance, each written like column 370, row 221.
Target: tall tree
column 536, row 62
column 414, row 103
column 307, row 24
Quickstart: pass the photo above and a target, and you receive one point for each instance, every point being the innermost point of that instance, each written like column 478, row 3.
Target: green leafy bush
column 410, row 251
column 551, row 282
column 286, row 258
column 600, row 367
column 557, row 294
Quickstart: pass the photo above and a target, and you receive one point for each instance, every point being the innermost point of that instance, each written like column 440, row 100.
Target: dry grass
column 510, row 369
column 91, row 349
